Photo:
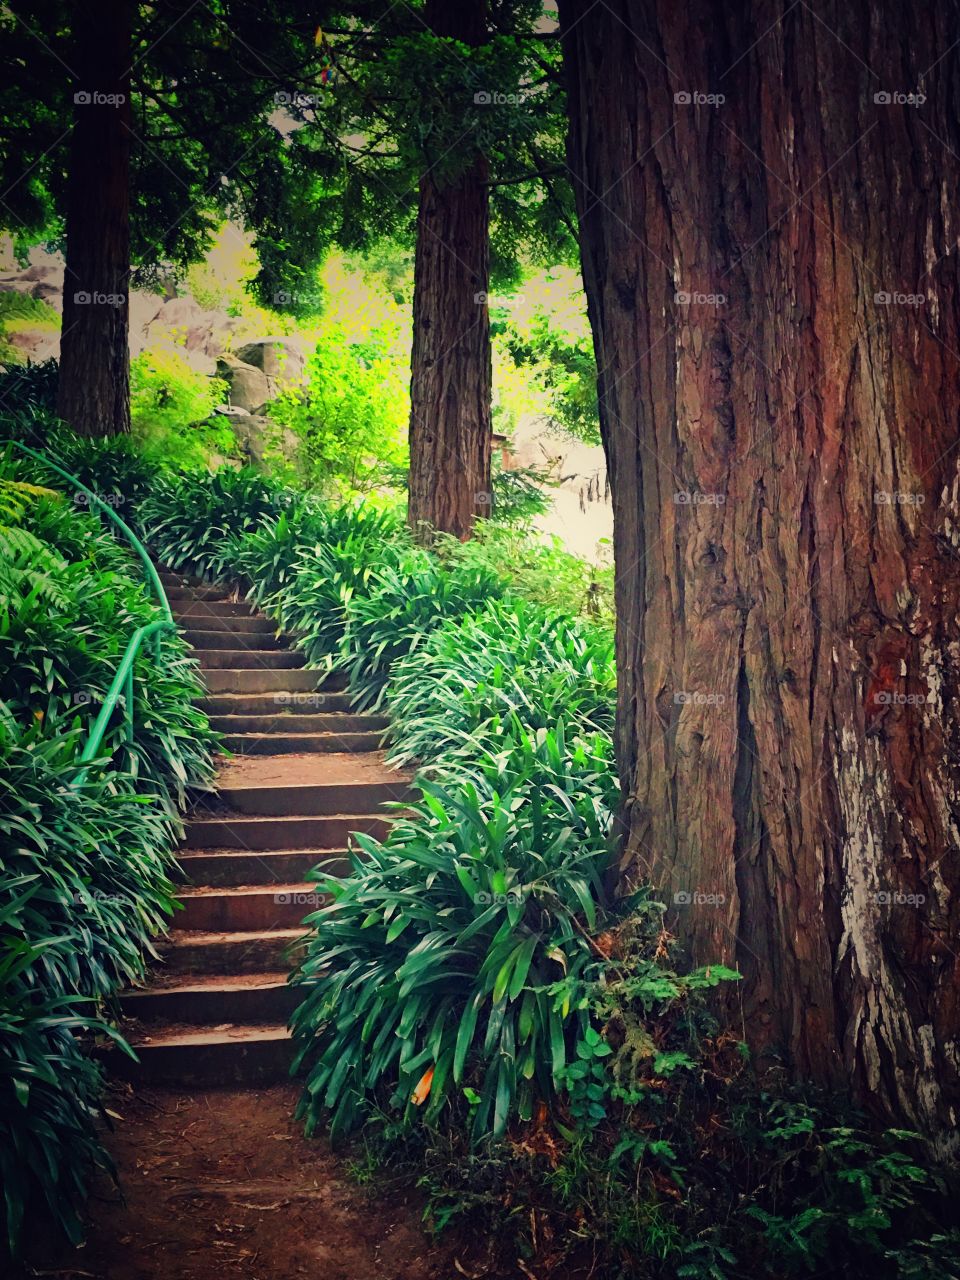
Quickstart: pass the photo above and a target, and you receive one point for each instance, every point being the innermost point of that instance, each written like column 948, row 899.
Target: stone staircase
column 306, row 773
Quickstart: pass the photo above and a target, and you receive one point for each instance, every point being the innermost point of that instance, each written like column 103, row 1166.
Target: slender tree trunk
column 773, row 288
column 94, row 383
column 450, row 387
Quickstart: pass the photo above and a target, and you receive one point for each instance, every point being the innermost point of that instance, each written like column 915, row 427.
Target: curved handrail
column 123, row 679
column 152, row 576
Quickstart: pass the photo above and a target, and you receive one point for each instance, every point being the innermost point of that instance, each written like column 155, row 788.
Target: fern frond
column 28, row 567
column 15, row 495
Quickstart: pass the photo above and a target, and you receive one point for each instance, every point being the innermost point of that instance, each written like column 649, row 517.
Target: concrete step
column 253, row 834
column 247, row 908
column 267, row 867
column 268, row 744
column 252, row 951
column 245, row 659
column 281, row 800
column 303, row 722
column 273, row 704
column 251, row 998
column 266, row 680
column 203, row 639
column 200, row 622
column 192, row 1057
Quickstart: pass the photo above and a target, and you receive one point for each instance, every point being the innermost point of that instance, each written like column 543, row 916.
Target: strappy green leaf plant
column 437, row 959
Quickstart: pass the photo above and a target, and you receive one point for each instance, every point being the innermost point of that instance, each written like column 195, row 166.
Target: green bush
column 305, row 566
column 537, row 569
column 64, row 627
column 470, row 679
column 29, row 388
column 171, row 411
column 434, row 964
column 399, row 606
column 192, row 521
column 84, row 885
column 351, row 415
column 115, row 468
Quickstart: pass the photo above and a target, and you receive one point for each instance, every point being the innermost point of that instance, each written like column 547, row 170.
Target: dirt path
column 222, row 1183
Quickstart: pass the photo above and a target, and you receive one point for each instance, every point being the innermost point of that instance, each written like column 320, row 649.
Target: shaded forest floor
column 222, row 1183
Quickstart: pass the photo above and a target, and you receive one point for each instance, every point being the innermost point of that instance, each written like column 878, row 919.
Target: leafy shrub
column 84, row 880
column 114, row 469
column 83, row 886
column 48, row 1105
column 519, row 493
column 65, row 623
column 30, row 387
column 351, row 415
column 537, row 568
column 561, row 362
column 274, row 557
column 191, row 522
column 400, row 606
column 511, row 662
column 432, row 968
column 171, row 408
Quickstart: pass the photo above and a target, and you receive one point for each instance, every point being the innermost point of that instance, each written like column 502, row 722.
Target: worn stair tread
column 203, row 595
column 254, row 821
column 202, row 938
column 245, row 659
column 226, row 855
column 280, row 743
column 322, row 855
column 175, row 1035
column 211, row 620
column 307, row 723
column 308, row 769
column 263, row 868
column 202, row 640
column 245, row 890
column 286, row 707
column 190, row 982
column 269, row 680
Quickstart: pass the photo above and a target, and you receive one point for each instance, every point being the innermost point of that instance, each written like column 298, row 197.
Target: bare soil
column 222, row 1185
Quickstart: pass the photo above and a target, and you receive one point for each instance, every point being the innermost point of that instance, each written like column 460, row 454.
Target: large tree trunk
column 784, row 465
column 94, row 382
column 450, row 387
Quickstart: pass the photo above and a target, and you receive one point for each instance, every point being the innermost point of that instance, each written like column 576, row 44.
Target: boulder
column 199, row 362
column 250, row 388
column 36, row 345
column 258, row 435
column 278, row 357
column 51, row 294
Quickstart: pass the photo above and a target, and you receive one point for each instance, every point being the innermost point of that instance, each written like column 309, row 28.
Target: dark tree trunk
column 94, row 383
column 784, row 465
column 450, row 387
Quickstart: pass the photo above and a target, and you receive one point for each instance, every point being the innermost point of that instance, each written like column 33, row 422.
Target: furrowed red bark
column 780, row 415
column 450, row 386
column 94, row 379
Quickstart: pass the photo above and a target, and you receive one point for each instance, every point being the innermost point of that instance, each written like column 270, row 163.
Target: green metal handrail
column 122, row 682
